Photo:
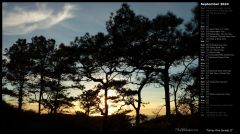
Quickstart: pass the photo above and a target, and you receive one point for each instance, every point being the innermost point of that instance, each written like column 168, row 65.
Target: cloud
column 21, row 21
column 4, row 4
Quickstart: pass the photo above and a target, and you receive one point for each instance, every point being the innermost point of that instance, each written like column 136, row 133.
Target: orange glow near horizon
column 150, row 94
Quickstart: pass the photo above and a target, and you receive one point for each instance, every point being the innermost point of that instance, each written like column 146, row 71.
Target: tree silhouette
column 189, row 99
column 63, row 66
column 56, row 99
column 180, row 80
column 41, row 51
column 166, row 37
column 97, row 62
column 5, row 90
column 18, row 68
column 149, row 46
column 89, row 101
column 191, row 39
column 129, row 36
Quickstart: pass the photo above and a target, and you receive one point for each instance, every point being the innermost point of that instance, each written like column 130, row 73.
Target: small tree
column 89, row 101
column 63, row 101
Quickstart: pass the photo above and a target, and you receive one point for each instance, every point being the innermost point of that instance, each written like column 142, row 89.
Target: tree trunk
column 191, row 105
column 88, row 111
column 20, row 96
column 166, row 87
column 40, row 94
column 138, row 109
column 191, row 108
column 105, row 116
column 56, row 96
column 175, row 102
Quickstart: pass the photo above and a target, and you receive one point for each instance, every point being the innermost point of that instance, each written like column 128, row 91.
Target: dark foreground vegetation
column 13, row 120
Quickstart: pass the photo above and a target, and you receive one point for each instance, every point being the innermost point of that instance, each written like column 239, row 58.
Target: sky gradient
column 64, row 21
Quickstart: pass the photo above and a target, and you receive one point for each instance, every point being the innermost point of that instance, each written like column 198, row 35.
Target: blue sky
column 64, row 21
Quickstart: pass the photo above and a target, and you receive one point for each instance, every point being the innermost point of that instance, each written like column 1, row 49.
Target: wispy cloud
column 21, row 21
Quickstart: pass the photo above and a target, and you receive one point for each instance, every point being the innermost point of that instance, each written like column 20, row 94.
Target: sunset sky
column 64, row 21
